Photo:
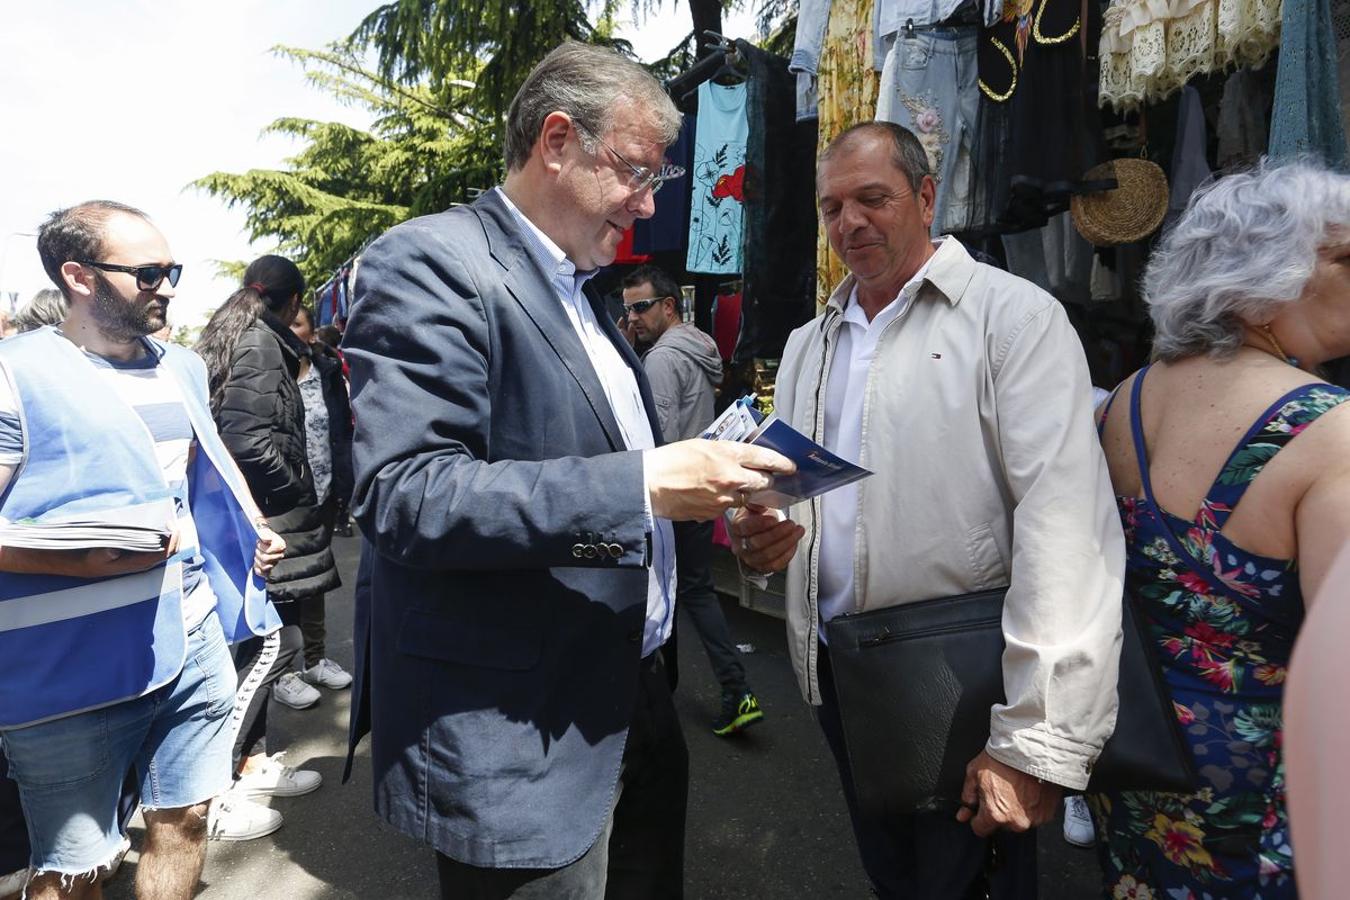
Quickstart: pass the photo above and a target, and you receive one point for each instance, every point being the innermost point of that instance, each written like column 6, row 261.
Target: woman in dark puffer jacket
column 253, row 360
column 328, row 444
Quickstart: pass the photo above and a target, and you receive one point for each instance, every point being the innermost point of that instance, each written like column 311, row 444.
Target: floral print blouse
column 1224, row 622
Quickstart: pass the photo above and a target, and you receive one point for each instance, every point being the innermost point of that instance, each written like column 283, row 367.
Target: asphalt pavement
column 766, row 816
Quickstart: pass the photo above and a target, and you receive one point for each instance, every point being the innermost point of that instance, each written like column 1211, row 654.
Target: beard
column 126, row 320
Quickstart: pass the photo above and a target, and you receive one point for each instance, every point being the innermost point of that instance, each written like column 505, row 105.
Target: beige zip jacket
column 978, row 425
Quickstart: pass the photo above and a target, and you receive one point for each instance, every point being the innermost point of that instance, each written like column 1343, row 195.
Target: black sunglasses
column 148, row 278
column 639, row 307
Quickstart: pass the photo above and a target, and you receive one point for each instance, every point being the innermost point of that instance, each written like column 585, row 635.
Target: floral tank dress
column 1224, row 621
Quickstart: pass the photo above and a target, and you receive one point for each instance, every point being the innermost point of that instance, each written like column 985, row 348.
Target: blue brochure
column 818, row 470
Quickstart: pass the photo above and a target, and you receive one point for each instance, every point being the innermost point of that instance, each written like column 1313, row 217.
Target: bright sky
column 131, row 101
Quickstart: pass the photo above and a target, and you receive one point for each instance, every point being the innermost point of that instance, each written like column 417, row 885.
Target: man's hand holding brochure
column 818, row 470
column 763, row 539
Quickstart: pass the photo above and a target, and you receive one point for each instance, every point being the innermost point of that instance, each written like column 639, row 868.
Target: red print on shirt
column 732, row 185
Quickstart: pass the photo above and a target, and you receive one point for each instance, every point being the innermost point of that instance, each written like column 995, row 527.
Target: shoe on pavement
column 327, row 673
column 233, row 817
column 1078, row 828
column 12, row 885
column 738, row 713
column 290, row 691
column 275, row 779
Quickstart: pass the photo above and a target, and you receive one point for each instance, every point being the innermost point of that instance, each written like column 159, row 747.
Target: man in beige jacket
column 965, row 390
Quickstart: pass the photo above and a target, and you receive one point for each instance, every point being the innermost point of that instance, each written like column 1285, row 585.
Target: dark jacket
column 262, row 422
column 499, row 638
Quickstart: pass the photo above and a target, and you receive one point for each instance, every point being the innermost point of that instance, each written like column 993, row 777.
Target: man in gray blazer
column 519, row 578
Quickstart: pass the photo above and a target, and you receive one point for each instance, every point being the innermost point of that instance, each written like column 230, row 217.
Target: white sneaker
column 327, row 674
column 293, row 692
column 233, row 817
column 274, row 779
column 13, row 883
column 1078, row 828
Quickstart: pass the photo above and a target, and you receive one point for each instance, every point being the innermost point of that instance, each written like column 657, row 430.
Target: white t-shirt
column 153, row 393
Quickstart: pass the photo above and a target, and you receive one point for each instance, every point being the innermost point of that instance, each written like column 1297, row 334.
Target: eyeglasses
column 641, row 177
column 148, row 278
column 638, row 307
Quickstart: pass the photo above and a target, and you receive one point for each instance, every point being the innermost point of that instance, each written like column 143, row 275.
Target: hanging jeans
column 929, row 85
column 813, row 16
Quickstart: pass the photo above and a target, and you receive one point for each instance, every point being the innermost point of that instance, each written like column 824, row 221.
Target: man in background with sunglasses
column 115, row 659
column 685, row 368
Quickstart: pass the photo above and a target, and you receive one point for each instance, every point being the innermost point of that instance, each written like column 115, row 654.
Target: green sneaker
column 737, row 713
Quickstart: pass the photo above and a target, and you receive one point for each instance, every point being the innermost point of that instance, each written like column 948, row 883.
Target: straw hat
column 1129, row 212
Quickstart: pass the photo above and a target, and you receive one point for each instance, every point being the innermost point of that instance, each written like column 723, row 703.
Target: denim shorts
column 177, row 740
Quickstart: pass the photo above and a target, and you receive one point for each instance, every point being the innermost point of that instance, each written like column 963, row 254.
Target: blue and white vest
column 73, row 644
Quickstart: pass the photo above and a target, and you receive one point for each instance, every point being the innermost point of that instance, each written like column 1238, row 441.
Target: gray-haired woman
column 48, row 307
column 1232, row 513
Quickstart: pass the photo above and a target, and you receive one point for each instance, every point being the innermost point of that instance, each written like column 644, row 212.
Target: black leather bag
column 915, row 684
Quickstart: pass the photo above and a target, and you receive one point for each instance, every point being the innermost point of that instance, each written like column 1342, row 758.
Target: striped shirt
column 154, row 394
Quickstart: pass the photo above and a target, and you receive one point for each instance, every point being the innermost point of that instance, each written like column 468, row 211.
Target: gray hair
column 588, row 83
column 48, row 307
column 1246, row 244
column 907, row 154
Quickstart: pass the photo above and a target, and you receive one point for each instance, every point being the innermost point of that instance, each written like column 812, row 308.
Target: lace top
column 1150, row 48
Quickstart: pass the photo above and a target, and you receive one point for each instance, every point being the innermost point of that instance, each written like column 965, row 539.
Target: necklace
column 1279, row 351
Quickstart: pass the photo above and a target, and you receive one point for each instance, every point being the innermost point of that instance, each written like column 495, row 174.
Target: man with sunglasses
column 114, row 661
column 685, row 368
column 517, row 510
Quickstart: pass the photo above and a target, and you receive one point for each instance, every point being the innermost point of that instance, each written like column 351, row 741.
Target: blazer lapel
column 533, row 290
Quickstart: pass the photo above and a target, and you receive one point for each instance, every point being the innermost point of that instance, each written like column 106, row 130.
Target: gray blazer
column 503, row 588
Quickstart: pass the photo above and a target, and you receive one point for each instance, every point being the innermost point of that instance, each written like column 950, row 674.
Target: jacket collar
column 949, row 274
column 291, row 346
column 532, row 287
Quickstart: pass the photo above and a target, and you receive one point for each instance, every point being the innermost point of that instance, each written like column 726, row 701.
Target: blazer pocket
column 512, row 647
column 986, row 563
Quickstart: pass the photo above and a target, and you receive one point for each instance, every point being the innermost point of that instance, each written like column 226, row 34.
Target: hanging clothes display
column 1307, row 111
column 812, row 18
column 1242, row 128
column 1150, row 48
column 780, row 214
column 726, row 324
column 930, row 85
column 716, row 207
column 1055, row 258
column 666, row 229
column 1039, row 131
column 1189, row 168
column 624, row 254
column 848, row 85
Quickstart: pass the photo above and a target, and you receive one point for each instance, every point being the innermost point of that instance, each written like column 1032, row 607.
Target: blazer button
column 590, row 551
column 615, row 551
column 634, row 637
column 578, row 550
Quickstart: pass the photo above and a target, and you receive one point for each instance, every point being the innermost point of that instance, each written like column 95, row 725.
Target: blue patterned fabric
column 1307, row 116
